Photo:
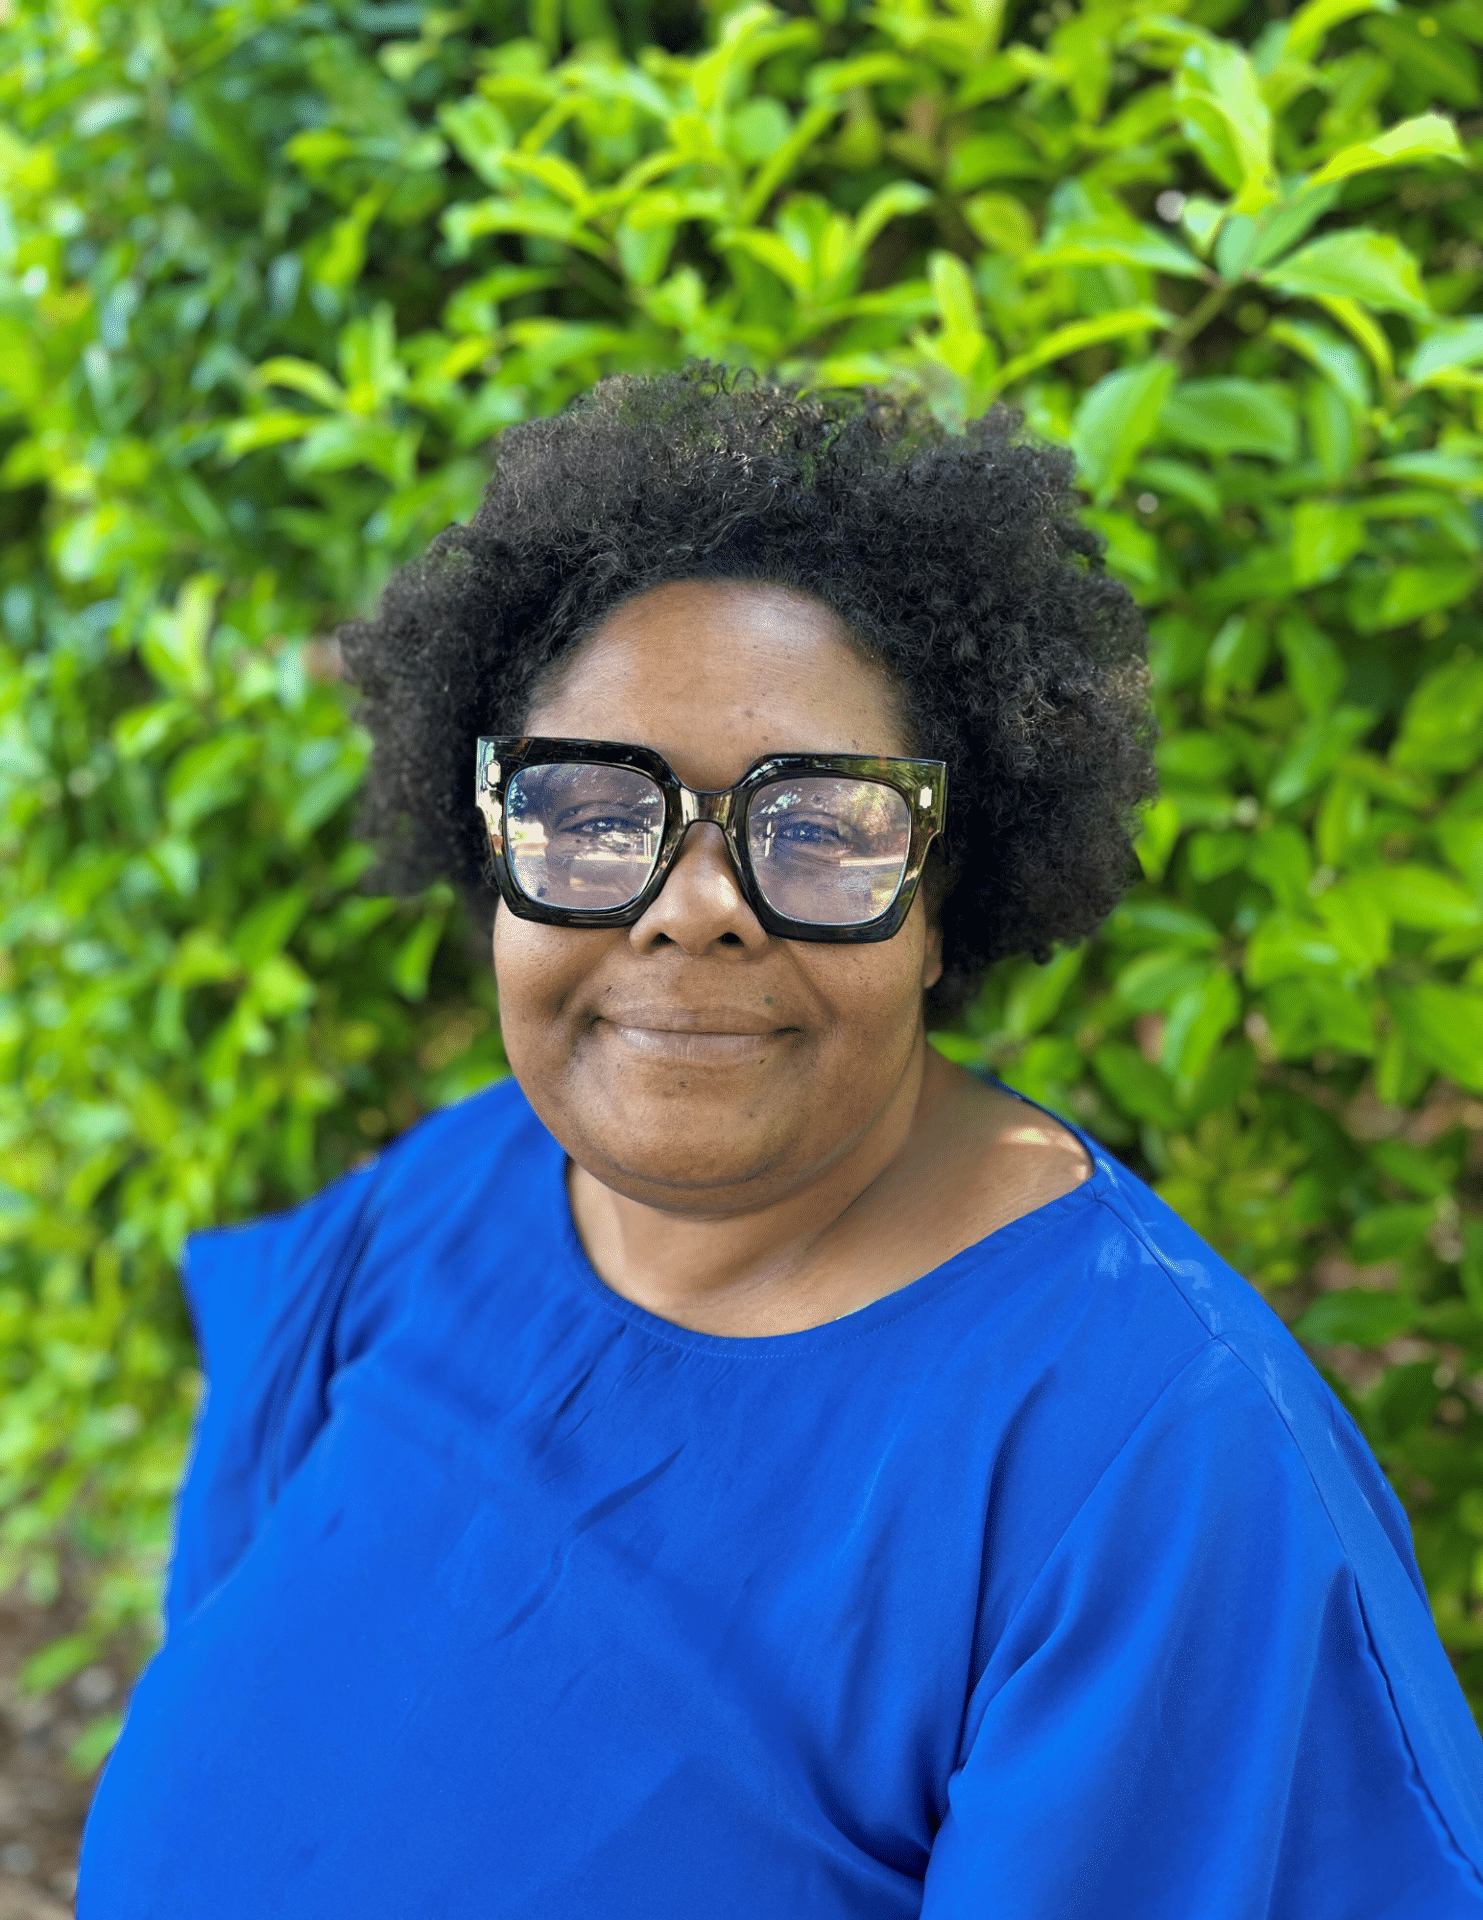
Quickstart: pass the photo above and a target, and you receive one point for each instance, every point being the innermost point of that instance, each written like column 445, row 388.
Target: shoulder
column 266, row 1281
column 1104, row 1328
column 1235, row 1382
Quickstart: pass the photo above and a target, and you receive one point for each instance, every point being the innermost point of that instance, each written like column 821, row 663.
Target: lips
column 712, row 1036
column 686, row 1020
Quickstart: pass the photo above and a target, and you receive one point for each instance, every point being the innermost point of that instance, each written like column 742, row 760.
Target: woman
column 745, row 1465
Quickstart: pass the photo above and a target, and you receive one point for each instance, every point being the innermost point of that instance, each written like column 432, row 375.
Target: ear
column 932, row 954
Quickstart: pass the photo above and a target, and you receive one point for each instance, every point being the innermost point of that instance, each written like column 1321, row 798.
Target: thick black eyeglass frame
column 922, row 783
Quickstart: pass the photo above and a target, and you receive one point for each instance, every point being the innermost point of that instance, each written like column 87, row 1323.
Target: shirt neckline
column 864, row 1321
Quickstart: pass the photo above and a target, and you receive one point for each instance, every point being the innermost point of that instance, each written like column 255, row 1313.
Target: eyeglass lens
column 826, row 849
column 583, row 837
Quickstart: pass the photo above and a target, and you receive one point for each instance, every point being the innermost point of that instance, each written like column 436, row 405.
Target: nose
column 701, row 905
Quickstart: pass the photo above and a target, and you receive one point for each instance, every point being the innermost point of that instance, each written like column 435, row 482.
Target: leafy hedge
column 273, row 276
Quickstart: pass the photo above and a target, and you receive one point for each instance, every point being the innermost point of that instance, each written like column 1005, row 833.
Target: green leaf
column 1002, row 222
column 1333, row 433
column 1315, row 749
column 175, row 642
column 1079, row 334
column 1359, row 264
column 207, row 778
column 1326, row 535
column 1444, row 1025
column 1135, row 1085
column 1443, row 67
column 1038, row 991
column 1442, row 727
column 1416, row 896
column 335, row 445
column 1315, row 666
column 1444, row 350
column 810, row 128
column 1212, row 854
column 1334, row 358
column 470, row 221
column 757, row 128
column 57, row 1662
column 1226, row 119
column 952, row 288
column 1358, row 918
column 1230, row 415
column 1311, row 25
column 1184, row 482
column 263, row 430
column 1412, row 1166
column 1308, row 1011
column 1142, row 922
column 1115, row 421
column 481, row 134
column 895, row 202
column 1280, row 858
column 414, row 958
column 1355, row 1317
column 1434, row 466
column 1236, row 658
column 1280, row 226
column 1154, row 979
column 1416, row 589
column 1047, row 1068
column 1284, row 944
column 1460, row 837
column 1195, row 755
column 1390, row 1233
column 302, row 376
column 774, row 253
column 991, row 156
column 1087, row 244
column 94, row 1744
column 268, row 925
column 323, row 795
column 1157, row 836
column 1198, row 1020
column 1428, row 137
column 138, row 731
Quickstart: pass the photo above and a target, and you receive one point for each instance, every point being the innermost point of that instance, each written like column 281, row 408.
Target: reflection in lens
column 829, row 850
column 583, row 837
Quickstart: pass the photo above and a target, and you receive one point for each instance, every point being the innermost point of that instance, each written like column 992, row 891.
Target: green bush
column 273, row 276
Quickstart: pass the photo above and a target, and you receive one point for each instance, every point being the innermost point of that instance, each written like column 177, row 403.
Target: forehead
column 715, row 674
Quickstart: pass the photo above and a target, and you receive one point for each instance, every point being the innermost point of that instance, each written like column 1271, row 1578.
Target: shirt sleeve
column 264, row 1301
column 1221, row 1699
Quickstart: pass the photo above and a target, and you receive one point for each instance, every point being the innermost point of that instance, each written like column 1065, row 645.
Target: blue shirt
column 1054, row 1586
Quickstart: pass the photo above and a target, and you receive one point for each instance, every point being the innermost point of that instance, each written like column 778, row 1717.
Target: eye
column 597, row 824
column 809, row 832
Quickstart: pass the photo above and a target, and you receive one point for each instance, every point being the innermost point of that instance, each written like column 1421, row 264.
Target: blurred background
column 275, row 275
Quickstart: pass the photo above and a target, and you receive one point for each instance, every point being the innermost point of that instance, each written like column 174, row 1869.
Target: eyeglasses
column 826, row 846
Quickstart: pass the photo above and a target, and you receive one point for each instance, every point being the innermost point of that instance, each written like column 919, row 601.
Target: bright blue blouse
column 1054, row 1586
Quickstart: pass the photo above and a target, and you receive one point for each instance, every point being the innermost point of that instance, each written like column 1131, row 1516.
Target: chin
column 680, row 1104
column 683, row 1166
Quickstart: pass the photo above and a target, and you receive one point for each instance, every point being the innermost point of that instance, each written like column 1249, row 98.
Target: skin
column 760, row 1138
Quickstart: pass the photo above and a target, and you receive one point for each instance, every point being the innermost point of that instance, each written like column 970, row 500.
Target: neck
column 771, row 1269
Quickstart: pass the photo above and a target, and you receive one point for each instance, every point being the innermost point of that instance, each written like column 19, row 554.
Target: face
column 691, row 1061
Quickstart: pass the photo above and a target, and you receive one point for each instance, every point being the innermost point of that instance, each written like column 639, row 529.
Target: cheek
column 874, row 990
column 537, row 970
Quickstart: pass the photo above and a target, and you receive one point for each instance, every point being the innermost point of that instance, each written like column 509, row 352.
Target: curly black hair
column 956, row 560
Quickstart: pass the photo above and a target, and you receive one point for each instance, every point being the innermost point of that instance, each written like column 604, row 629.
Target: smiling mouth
column 695, row 1045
